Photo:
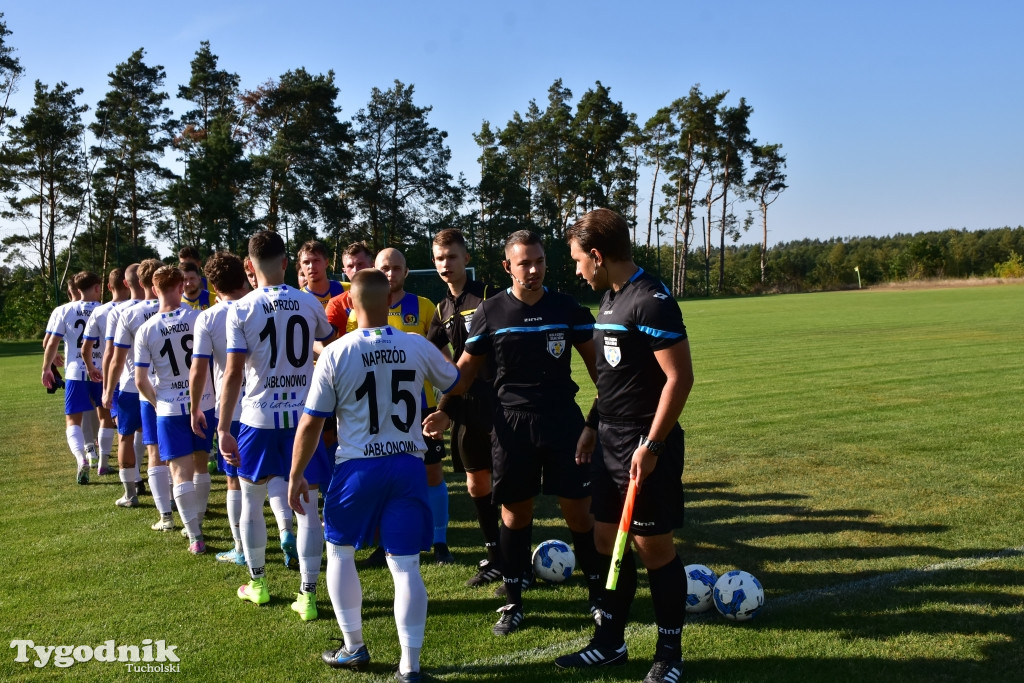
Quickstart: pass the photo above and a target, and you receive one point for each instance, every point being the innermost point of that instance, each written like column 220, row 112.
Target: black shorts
column 535, row 452
column 435, row 451
column 659, row 503
column 471, row 433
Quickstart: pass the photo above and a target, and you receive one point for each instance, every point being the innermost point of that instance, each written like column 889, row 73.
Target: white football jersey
column 115, row 315
column 275, row 327
column 128, row 324
column 211, row 343
column 164, row 343
column 69, row 323
column 371, row 379
column 96, row 327
column 51, row 322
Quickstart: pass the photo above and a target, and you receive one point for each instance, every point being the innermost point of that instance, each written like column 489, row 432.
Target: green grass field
column 860, row 452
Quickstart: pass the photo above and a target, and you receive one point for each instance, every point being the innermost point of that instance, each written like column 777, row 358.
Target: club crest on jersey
column 612, row 352
column 410, row 319
column 556, row 343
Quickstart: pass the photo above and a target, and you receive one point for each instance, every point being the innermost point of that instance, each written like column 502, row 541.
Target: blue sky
column 896, row 116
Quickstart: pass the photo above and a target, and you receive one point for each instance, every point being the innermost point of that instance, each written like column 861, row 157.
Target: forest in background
column 100, row 193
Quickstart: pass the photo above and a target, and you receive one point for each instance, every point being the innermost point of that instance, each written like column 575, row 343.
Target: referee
column 644, row 375
column 529, row 332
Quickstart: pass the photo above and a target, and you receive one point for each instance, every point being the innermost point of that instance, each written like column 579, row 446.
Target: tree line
column 99, row 194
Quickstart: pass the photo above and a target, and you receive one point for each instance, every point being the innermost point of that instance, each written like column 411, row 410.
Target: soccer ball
column 554, row 561
column 738, row 595
column 700, row 582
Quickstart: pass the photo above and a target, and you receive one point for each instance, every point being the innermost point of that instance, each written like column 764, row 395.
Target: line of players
column 511, row 397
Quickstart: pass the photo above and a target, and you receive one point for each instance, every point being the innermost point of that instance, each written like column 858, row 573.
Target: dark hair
column 604, row 230
column 225, row 272
column 118, row 276
column 450, row 236
column 357, row 248
column 131, row 274
column 188, row 252
column 167, row 277
column 190, row 267
column 266, row 244
column 525, row 237
column 314, row 247
column 85, row 280
column 146, row 270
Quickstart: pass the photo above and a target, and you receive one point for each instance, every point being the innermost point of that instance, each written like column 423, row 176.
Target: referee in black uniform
column 473, row 414
column 529, row 332
column 644, row 376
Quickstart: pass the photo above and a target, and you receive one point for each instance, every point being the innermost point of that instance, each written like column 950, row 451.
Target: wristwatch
column 655, row 447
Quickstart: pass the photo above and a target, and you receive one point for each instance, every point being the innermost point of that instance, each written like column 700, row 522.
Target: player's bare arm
column 144, row 385
column 197, row 375
column 108, row 354
column 675, row 362
column 232, row 385
column 94, row 373
column 49, row 354
column 307, row 436
column 116, row 366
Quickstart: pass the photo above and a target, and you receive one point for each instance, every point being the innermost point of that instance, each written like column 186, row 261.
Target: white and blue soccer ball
column 738, row 595
column 700, row 585
column 554, row 561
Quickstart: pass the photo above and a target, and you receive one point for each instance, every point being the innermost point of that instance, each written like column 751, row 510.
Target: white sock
column 410, row 608
column 127, row 477
column 346, row 593
column 201, row 480
column 160, row 488
column 185, row 496
column 76, row 442
column 310, row 542
column 253, row 527
column 277, row 491
column 234, row 504
column 106, row 441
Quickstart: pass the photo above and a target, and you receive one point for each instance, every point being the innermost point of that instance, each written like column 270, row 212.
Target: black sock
column 615, row 604
column 487, row 517
column 668, row 593
column 515, row 551
column 586, row 557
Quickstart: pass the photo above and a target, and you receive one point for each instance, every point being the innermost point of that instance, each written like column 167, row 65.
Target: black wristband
column 594, row 416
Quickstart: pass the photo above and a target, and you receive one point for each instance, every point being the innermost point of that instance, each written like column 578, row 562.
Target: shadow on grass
column 945, row 606
column 9, row 349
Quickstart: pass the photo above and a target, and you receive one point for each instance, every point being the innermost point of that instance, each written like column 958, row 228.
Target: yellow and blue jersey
column 334, row 288
column 201, row 302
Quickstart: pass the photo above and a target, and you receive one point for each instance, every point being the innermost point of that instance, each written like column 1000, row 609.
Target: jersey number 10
column 296, row 356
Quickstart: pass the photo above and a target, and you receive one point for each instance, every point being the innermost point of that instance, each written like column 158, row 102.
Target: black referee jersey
column 632, row 324
column 531, row 347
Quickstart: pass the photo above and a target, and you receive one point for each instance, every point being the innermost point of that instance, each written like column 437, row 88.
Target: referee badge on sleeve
column 612, row 352
column 556, row 343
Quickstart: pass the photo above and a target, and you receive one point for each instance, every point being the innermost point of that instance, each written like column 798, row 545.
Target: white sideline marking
column 549, row 652
column 891, row 579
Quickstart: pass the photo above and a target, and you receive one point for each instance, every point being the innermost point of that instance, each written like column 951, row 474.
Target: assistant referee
column 644, row 376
